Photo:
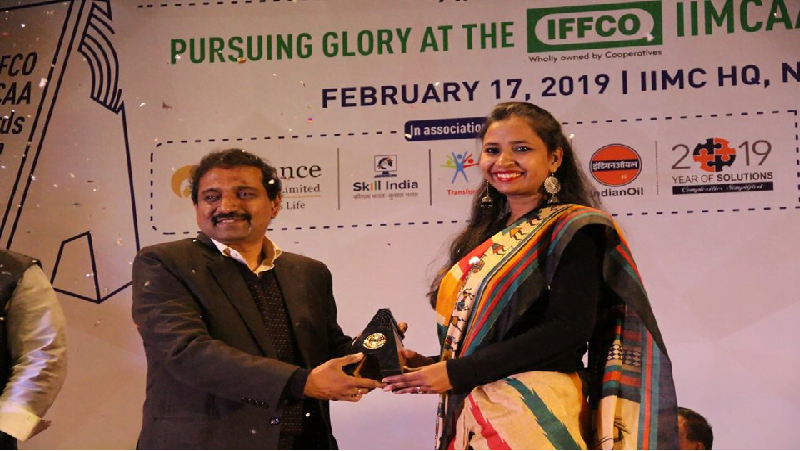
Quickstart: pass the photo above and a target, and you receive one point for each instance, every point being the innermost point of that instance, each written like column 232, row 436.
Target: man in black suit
column 231, row 325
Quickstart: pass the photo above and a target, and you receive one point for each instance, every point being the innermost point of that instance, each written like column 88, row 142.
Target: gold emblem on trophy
column 375, row 341
column 382, row 343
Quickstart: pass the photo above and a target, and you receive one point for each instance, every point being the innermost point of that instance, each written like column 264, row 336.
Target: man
column 33, row 348
column 230, row 324
column 694, row 432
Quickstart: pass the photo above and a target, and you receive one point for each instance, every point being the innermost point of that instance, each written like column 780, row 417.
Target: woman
column 537, row 278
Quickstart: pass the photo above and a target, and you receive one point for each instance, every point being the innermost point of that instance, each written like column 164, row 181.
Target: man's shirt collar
column 270, row 251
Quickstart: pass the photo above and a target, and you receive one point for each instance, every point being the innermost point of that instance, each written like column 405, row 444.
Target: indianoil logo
column 615, row 165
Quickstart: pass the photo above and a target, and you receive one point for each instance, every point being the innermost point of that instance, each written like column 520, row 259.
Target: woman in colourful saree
column 539, row 277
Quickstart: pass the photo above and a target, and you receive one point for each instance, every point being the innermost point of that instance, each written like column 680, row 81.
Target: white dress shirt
column 38, row 347
column 269, row 250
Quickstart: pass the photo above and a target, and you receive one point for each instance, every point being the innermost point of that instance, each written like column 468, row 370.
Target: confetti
column 241, row 60
column 119, row 242
column 42, row 82
column 408, row 135
column 147, row 283
column 165, row 106
column 89, row 275
column 474, row 260
column 72, row 175
column 143, row 104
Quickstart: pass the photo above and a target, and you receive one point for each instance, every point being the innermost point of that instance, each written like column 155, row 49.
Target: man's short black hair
column 697, row 427
column 231, row 158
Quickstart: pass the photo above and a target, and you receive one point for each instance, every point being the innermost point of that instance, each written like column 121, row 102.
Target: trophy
column 381, row 342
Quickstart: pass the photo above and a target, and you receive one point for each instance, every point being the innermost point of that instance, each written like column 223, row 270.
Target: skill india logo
column 714, row 154
column 459, row 163
column 385, row 166
column 587, row 27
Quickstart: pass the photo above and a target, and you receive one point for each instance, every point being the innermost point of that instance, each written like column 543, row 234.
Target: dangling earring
column 552, row 186
column 486, row 200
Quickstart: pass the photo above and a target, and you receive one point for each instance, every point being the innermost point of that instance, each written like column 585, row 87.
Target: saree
column 628, row 399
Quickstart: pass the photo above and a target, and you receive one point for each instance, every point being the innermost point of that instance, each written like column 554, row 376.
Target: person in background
column 694, row 432
column 539, row 276
column 33, row 348
column 243, row 346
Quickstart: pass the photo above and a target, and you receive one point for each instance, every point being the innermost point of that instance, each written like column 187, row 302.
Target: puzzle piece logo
column 714, row 154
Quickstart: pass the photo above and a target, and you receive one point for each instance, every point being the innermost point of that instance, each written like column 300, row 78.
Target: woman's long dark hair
column 487, row 219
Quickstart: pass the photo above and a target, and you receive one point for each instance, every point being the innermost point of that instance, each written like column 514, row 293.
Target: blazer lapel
column 234, row 287
column 295, row 294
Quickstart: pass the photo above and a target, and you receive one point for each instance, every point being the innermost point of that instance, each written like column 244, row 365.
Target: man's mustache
column 221, row 217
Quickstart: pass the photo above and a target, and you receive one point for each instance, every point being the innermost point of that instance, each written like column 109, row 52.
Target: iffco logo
column 714, row 154
column 594, row 26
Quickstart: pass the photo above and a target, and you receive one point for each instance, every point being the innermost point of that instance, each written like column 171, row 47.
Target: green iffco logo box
column 594, row 26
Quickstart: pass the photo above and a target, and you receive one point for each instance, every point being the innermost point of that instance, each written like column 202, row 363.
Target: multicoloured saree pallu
column 630, row 388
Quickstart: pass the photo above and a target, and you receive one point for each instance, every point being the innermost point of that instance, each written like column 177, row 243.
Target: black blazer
column 213, row 378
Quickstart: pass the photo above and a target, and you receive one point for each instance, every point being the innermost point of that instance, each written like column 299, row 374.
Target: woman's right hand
column 412, row 359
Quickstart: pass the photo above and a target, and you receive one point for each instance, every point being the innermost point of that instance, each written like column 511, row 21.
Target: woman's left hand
column 427, row 379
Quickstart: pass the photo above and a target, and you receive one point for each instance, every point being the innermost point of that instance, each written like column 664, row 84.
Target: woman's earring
column 486, row 200
column 552, row 186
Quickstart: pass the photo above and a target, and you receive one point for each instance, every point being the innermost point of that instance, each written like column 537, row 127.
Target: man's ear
column 276, row 206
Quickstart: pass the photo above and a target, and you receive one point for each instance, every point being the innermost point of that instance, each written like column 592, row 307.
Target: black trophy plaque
column 381, row 342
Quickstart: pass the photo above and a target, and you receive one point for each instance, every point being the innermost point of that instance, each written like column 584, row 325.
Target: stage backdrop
column 683, row 113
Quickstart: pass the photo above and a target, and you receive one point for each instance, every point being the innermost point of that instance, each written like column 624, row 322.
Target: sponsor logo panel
column 698, row 163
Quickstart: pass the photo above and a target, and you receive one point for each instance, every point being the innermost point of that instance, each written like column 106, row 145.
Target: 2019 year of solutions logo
column 594, row 26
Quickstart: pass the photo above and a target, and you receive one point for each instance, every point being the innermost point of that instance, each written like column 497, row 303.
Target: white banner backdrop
column 684, row 114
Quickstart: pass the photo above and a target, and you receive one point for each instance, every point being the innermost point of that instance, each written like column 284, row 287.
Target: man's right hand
column 329, row 382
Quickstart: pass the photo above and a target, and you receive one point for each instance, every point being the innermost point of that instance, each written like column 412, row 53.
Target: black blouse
column 552, row 334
